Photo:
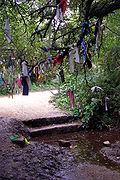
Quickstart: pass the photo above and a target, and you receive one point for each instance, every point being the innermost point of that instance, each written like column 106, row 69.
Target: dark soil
column 34, row 161
column 112, row 152
column 44, row 160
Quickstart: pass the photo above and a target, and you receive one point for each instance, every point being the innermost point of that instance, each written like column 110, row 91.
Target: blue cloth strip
column 2, row 81
column 83, row 26
column 83, row 45
column 49, row 54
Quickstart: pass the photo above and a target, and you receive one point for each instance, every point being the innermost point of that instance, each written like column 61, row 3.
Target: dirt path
column 35, row 105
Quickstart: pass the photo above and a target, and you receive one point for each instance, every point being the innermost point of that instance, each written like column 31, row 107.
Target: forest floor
column 43, row 159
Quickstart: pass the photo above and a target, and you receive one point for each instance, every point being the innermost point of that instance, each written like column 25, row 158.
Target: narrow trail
column 35, row 105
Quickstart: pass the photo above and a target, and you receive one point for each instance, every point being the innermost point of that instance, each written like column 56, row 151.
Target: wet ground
column 88, row 147
column 45, row 159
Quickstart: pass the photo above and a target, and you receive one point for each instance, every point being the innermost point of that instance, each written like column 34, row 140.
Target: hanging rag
column 46, row 76
column 36, row 72
column 24, row 68
column 19, row 83
column 79, row 108
column 62, row 75
column 61, row 15
column 96, row 44
column 25, row 85
column 42, row 79
column 63, row 5
column 87, row 60
column 57, row 12
column 57, row 59
column 2, row 80
column 71, row 98
column 71, row 62
column 83, row 47
column 77, row 55
column 97, row 32
column 106, row 103
column 85, row 26
column 7, row 31
column 39, row 76
column 5, row 82
column 88, row 52
column 50, row 57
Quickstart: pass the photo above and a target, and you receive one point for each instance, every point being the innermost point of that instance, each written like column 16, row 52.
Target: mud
column 44, row 159
column 35, row 161
column 112, row 152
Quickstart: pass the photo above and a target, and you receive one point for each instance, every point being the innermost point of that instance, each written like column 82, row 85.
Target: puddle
column 87, row 146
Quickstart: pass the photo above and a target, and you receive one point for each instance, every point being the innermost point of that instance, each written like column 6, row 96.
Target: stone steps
column 55, row 129
column 49, row 121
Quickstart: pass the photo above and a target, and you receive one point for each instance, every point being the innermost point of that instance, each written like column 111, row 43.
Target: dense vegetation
column 34, row 26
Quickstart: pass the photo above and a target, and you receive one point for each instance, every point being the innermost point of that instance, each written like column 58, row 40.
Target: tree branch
column 104, row 7
column 113, row 31
column 2, row 3
column 71, row 31
column 54, row 14
column 42, row 8
column 22, row 17
column 88, row 5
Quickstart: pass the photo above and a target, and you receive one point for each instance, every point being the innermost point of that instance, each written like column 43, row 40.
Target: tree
column 39, row 18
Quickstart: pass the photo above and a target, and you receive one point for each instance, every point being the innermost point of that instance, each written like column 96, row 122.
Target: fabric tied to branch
column 49, row 55
column 62, row 75
column 63, row 4
column 57, row 60
column 36, row 71
column 24, row 69
column 61, row 15
column 83, row 46
column 71, row 62
column 77, row 55
column 18, row 81
column 7, row 31
column 2, row 81
column 57, row 12
column 96, row 44
column 106, row 103
column 71, row 98
column 97, row 32
column 85, row 26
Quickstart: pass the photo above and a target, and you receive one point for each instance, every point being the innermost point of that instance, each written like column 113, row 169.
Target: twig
column 50, row 22
column 113, row 31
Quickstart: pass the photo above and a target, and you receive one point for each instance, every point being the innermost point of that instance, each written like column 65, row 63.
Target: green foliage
column 107, row 77
column 3, row 90
column 83, row 96
column 26, row 18
column 49, row 84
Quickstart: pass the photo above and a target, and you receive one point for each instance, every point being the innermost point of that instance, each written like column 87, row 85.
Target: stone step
column 55, row 129
column 49, row 121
